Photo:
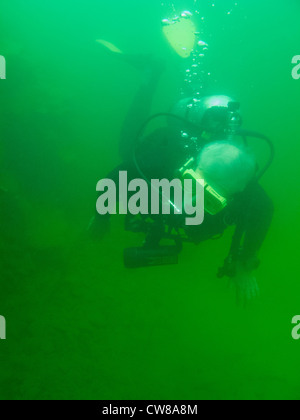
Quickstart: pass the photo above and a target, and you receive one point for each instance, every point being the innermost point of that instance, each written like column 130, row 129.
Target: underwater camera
column 154, row 254
column 149, row 257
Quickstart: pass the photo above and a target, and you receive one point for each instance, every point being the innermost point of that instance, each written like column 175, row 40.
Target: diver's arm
column 99, row 225
column 250, row 235
column 256, row 215
column 257, row 223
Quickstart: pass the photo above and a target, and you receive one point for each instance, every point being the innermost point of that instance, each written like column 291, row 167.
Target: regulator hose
column 242, row 133
column 254, row 134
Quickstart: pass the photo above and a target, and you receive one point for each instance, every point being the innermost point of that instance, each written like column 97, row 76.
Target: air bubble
column 202, row 44
column 186, row 14
column 166, row 22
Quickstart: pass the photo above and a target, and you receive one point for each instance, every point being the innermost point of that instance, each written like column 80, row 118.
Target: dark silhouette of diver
column 205, row 135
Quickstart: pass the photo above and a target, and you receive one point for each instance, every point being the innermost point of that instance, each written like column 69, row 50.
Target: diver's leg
column 140, row 108
column 151, row 70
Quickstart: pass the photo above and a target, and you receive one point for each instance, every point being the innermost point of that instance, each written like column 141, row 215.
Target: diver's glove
column 99, row 227
column 246, row 285
column 240, row 272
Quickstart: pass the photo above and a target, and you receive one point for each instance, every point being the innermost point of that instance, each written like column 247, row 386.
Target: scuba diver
column 203, row 139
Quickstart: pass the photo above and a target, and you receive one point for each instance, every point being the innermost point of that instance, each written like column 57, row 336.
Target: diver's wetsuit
column 161, row 155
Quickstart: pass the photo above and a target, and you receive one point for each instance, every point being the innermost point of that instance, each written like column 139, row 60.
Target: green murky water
column 79, row 325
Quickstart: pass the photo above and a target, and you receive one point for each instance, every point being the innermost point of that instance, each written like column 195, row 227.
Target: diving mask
column 214, row 203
